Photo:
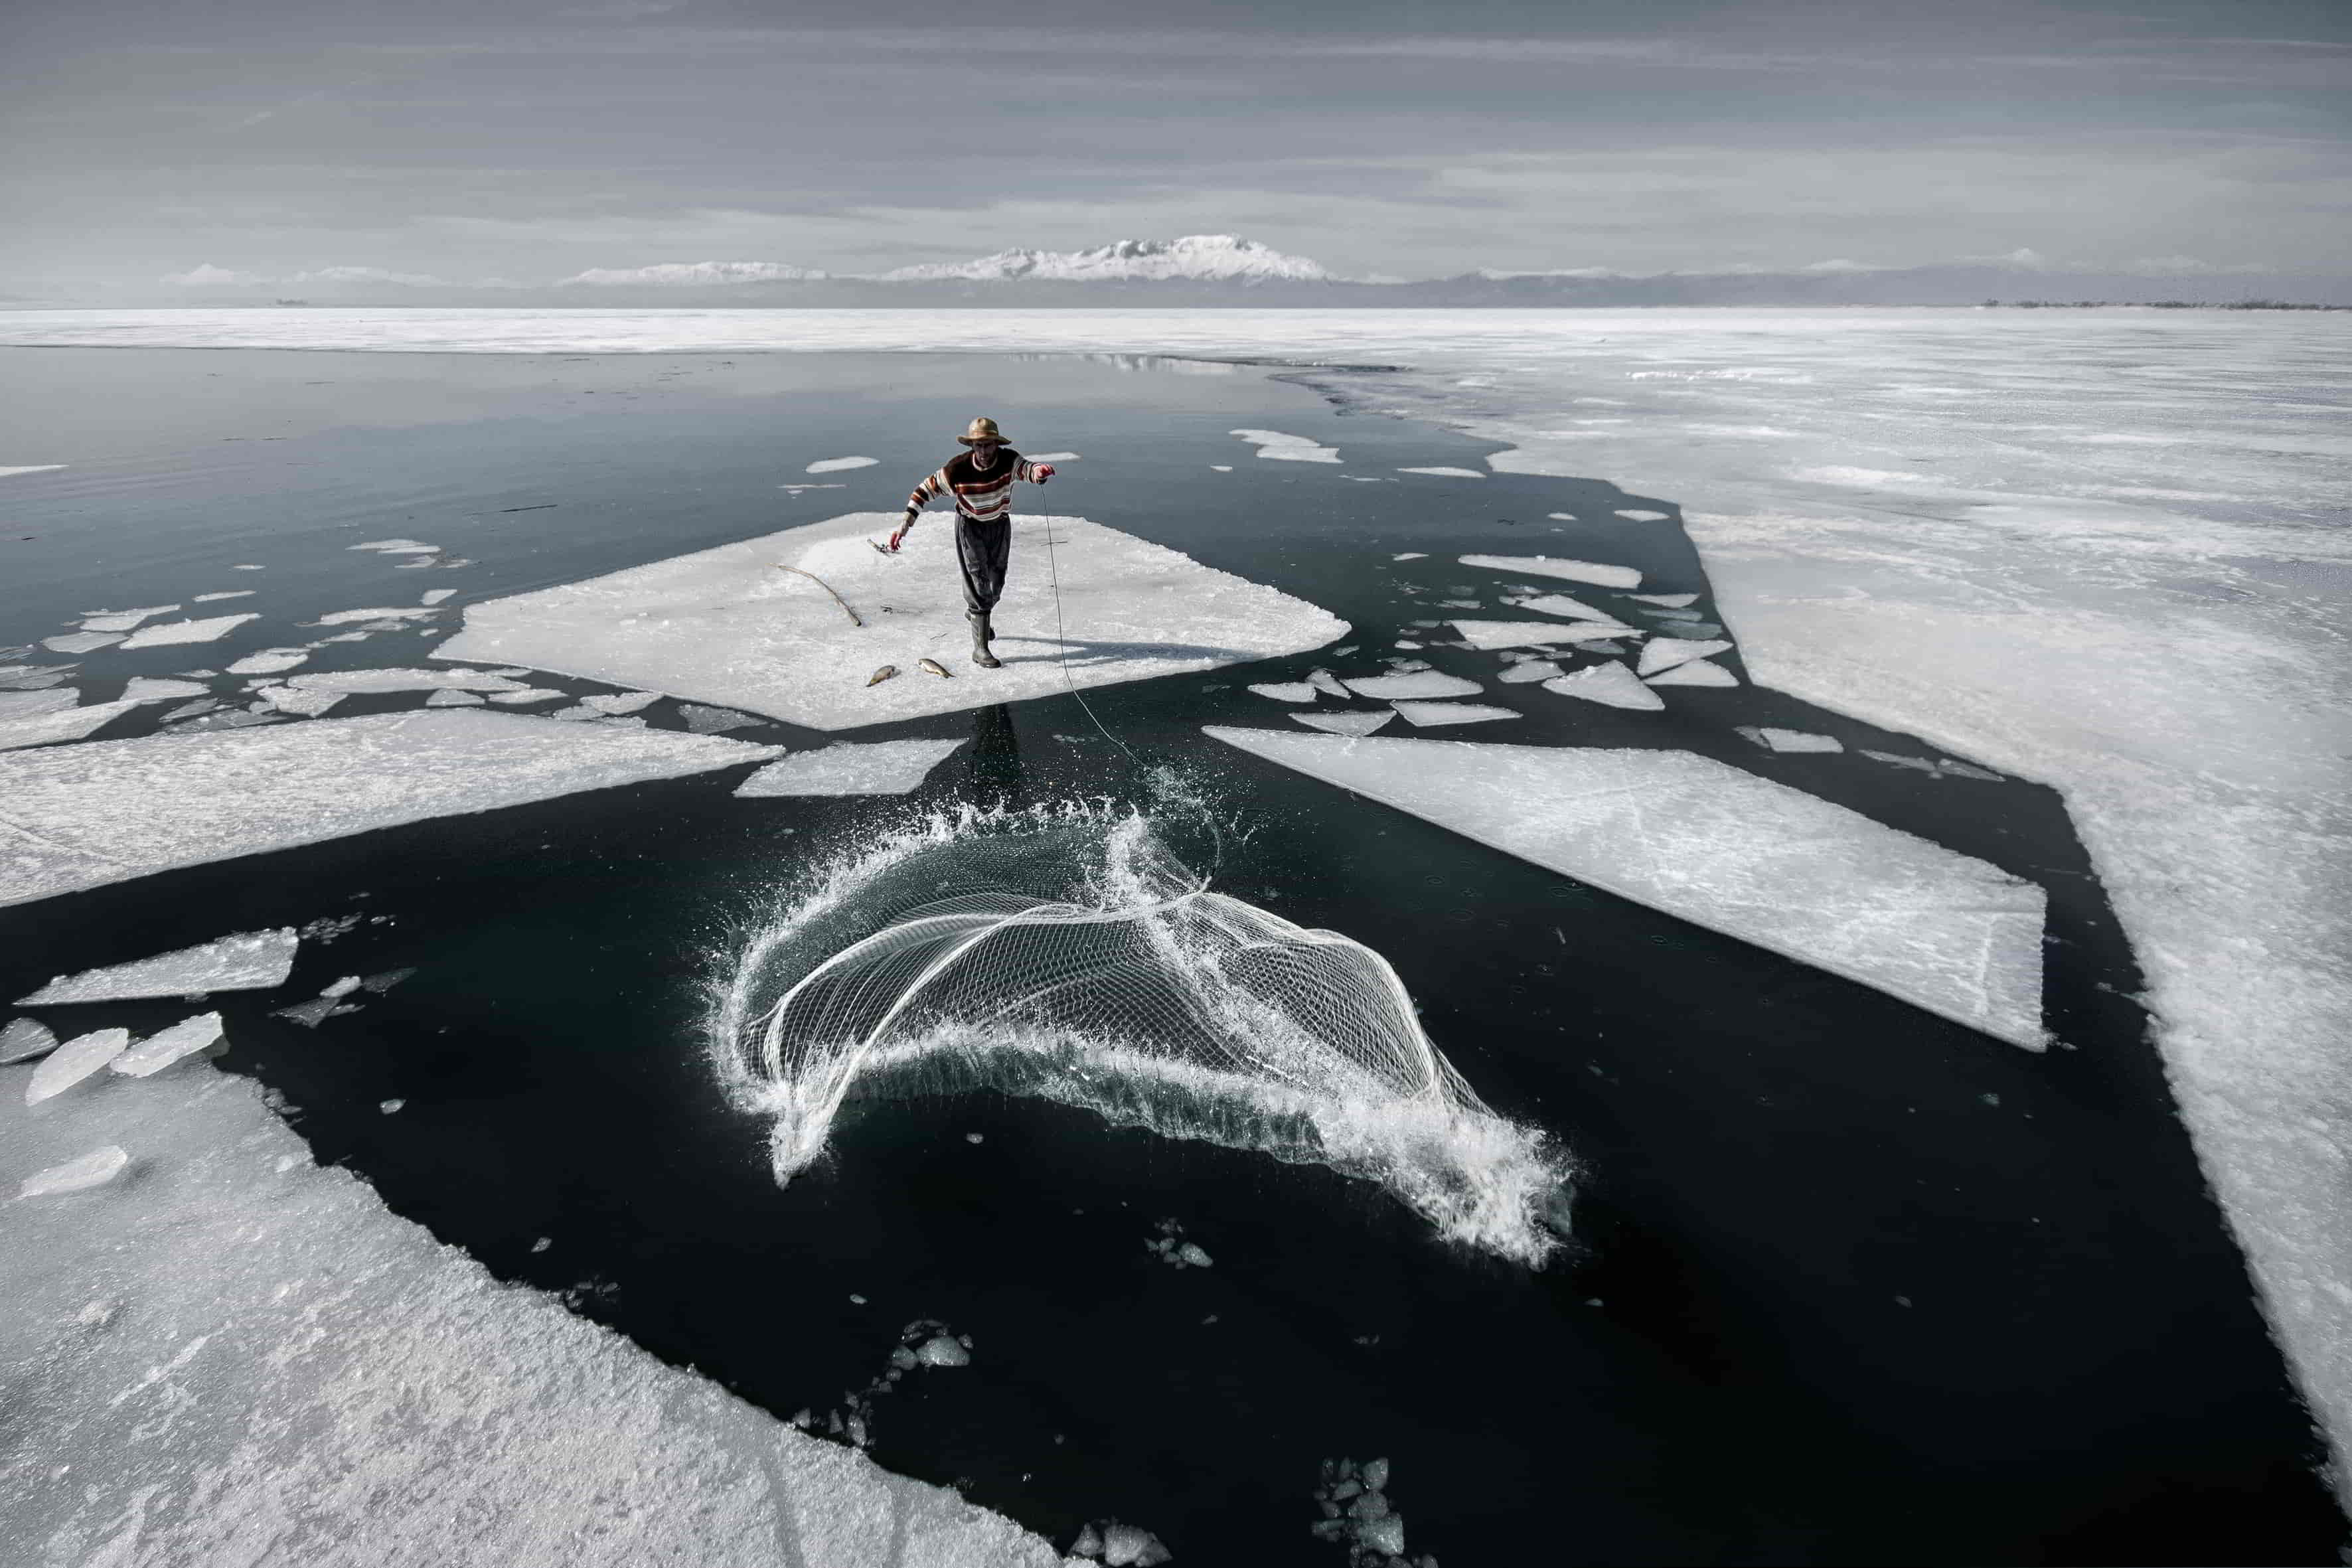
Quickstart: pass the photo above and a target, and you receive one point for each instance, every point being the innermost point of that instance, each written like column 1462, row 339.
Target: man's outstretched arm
column 934, row 486
column 1036, row 473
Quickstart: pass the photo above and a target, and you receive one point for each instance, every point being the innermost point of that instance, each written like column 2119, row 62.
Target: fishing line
column 1062, row 647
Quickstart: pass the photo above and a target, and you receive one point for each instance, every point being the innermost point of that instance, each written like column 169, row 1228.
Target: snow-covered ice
column 393, row 546
column 1598, row 573
column 1419, row 683
column 163, row 634
column 271, row 661
column 122, row 620
column 9, row 471
column 1610, row 683
column 531, row 696
column 1697, row 672
column 64, row 724
column 1288, row 449
column 837, row 465
column 618, row 702
column 1355, row 723
column 94, row 1169
column 303, row 701
column 24, row 1040
column 82, row 816
column 450, row 697
column 393, row 613
column 1722, row 849
column 1667, row 601
column 1664, row 653
column 1537, row 634
column 177, row 1043
column 231, row 594
column 1636, row 514
column 882, row 767
column 436, row 595
column 249, row 961
column 1411, row 556
column 726, row 626
column 1779, row 740
column 1528, row 671
column 75, row 1060
column 1287, row 690
column 153, row 688
column 17, row 705
column 81, row 642
column 1427, row 715
column 1562, row 606
column 1447, row 472
column 351, row 682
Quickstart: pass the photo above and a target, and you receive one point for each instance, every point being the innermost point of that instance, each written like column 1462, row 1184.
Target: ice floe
column 1425, row 715
column 530, row 695
column 94, row 1169
column 75, row 1060
column 1411, row 556
column 34, row 704
column 1356, row 723
column 86, row 816
column 1593, row 572
column 837, row 465
column 725, row 626
column 1446, row 473
column 393, row 546
column 883, row 767
column 122, row 620
column 1287, row 690
column 24, row 1040
column 394, row 613
column 1562, row 606
column 1664, row 653
column 619, row 702
column 435, row 596
column 1492, row 635
column 1288, row 449
column 1324, row 681
column 302, row 701
column 351, row 682
column 1697, row 672
column 163, row 634
column 1612, row 684
column 215, row 598
column 449, row 697
column 1415, row 683
column 66, row 724
column 1638, row 515
column 1721, row 847
column 1527, row 670
column 160, row 1049
column 153, row 688
column 249, row 961
column 1778, row 740
column 1667, row 601
column 81, row 642
column 10, row 470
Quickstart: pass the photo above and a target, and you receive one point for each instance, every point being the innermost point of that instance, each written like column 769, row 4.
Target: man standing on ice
column 981, row 478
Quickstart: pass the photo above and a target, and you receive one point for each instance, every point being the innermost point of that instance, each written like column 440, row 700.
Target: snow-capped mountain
column 693, row 274
column 1198, row 258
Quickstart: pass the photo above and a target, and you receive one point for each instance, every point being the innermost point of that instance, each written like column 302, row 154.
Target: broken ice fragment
column 1562, row 606
column 1286, row 691
column 1920, row 764
column 147, row 689
column 389, row 545
column 1529, row 670
column 1644, row 516
column 701, row 720
column 1411, row 556
column 882, row 767
column 189, row 709
column 160, row 1049
column 299, row 700
column 1790, row 740
column 81, row 642
column 836, row 464
column 1345, row 723
column 74, row 1061
column 1664, row 653
column 454, row 699
column 1667, row 601
column 1421, row 715
column 1323, row 680
column 1193, row 1255
column 94, row 1169
column 1419, row 683
column 166, row 633
column 618, row 702
column 435, row 595
column 232, row 593
column 122, row 620
column 1967, row 771
column 68, row 724
column 33, row 704
column 1447, row 472
column 365, row 680
column 393, row 613
column 1274, row 443
column 1698, row 672
column 1536, row 634
column 531, row 694
column 24, row 1040
column 941, row 1351
column 270, row 661
column 251, row 961
column 1593, row 572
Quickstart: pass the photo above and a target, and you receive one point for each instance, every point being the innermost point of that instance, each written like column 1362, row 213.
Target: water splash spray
column 1064, row 952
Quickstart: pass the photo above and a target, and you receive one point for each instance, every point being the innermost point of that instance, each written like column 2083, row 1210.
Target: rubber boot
column 981, row 654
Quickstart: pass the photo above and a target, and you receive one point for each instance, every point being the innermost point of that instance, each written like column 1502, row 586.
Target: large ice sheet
column 883, row 767
column 725, row 626
column 249, row 961
column 84, row 815
column 64, row 724
column 241, row 1359
column 1725, row 849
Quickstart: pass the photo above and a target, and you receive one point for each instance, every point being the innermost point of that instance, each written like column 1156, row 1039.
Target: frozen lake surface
column 1838, row 1265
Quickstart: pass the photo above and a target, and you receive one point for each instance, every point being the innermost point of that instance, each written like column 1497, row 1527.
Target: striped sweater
column 983, row 495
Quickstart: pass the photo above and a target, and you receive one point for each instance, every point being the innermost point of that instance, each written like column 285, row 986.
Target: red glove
column 1042, row 470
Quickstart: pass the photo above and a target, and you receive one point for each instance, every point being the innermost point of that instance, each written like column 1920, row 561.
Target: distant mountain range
column 1216, row 269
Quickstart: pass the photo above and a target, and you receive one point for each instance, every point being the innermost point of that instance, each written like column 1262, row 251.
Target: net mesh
column 1066, row 954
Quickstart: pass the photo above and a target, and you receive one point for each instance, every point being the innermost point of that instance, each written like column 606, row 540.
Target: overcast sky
column 470, row 139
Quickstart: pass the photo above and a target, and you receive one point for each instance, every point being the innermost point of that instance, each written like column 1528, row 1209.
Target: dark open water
column 1829, row 1302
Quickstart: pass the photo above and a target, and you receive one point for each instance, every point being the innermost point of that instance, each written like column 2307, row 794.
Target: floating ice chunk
column 1640, row 516
column 1128, row 1546
column 11, row 469
column 1664, row 653
column 1446, row 473
column 1721, row 847
column 836, row 464
column 1424, row 715
column 149, row 688
column 228, row 721
column 1221, row 468
column 1346, row 724
column 354, row 681
column 94, row 1169
column 32, row 677
column 1287, row 690
column 623, row 701
column 33, row 704
column 629, row 722
column 436, row 595
column 304, row 700
column 392, row 544
column 106, row 812
column 1779, row 740
column 81, row 642
column 249, row 961
column 189, row 709
column 1326, row 682
column 725, row 626
column 67, row 724
column 74, row 1061
column 1667, row 601
column 1671, row 614
column 1490, row 635
column 393, row 613
column 122, row 620
column 578, row 713
column 1529, row 670
column 1967, row 771
column 1592, row 572
column 1561, row 605
column 534, row 694
column 160, row 1049
column 24, row 1040
column 1698, row 672
column 449, row 698
column 165, row 633
column 1417, row 683
column 1920, row 764
column 1052, row 457
column 1612, row 684
column 232, row 593
column 1411, row 556
column 883, row 767
column 942, row 1350
column 1288, row 449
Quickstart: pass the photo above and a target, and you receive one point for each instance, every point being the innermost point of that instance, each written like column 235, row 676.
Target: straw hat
column 979, row 430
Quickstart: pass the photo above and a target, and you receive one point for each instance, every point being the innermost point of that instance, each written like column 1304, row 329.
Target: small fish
column 936, row 668
column 883, row 674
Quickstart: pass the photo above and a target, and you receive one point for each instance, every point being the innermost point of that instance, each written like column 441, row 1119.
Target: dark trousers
column 982, row 550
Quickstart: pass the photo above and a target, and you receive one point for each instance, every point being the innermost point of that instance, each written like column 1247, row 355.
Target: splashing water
column 1064, row 952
